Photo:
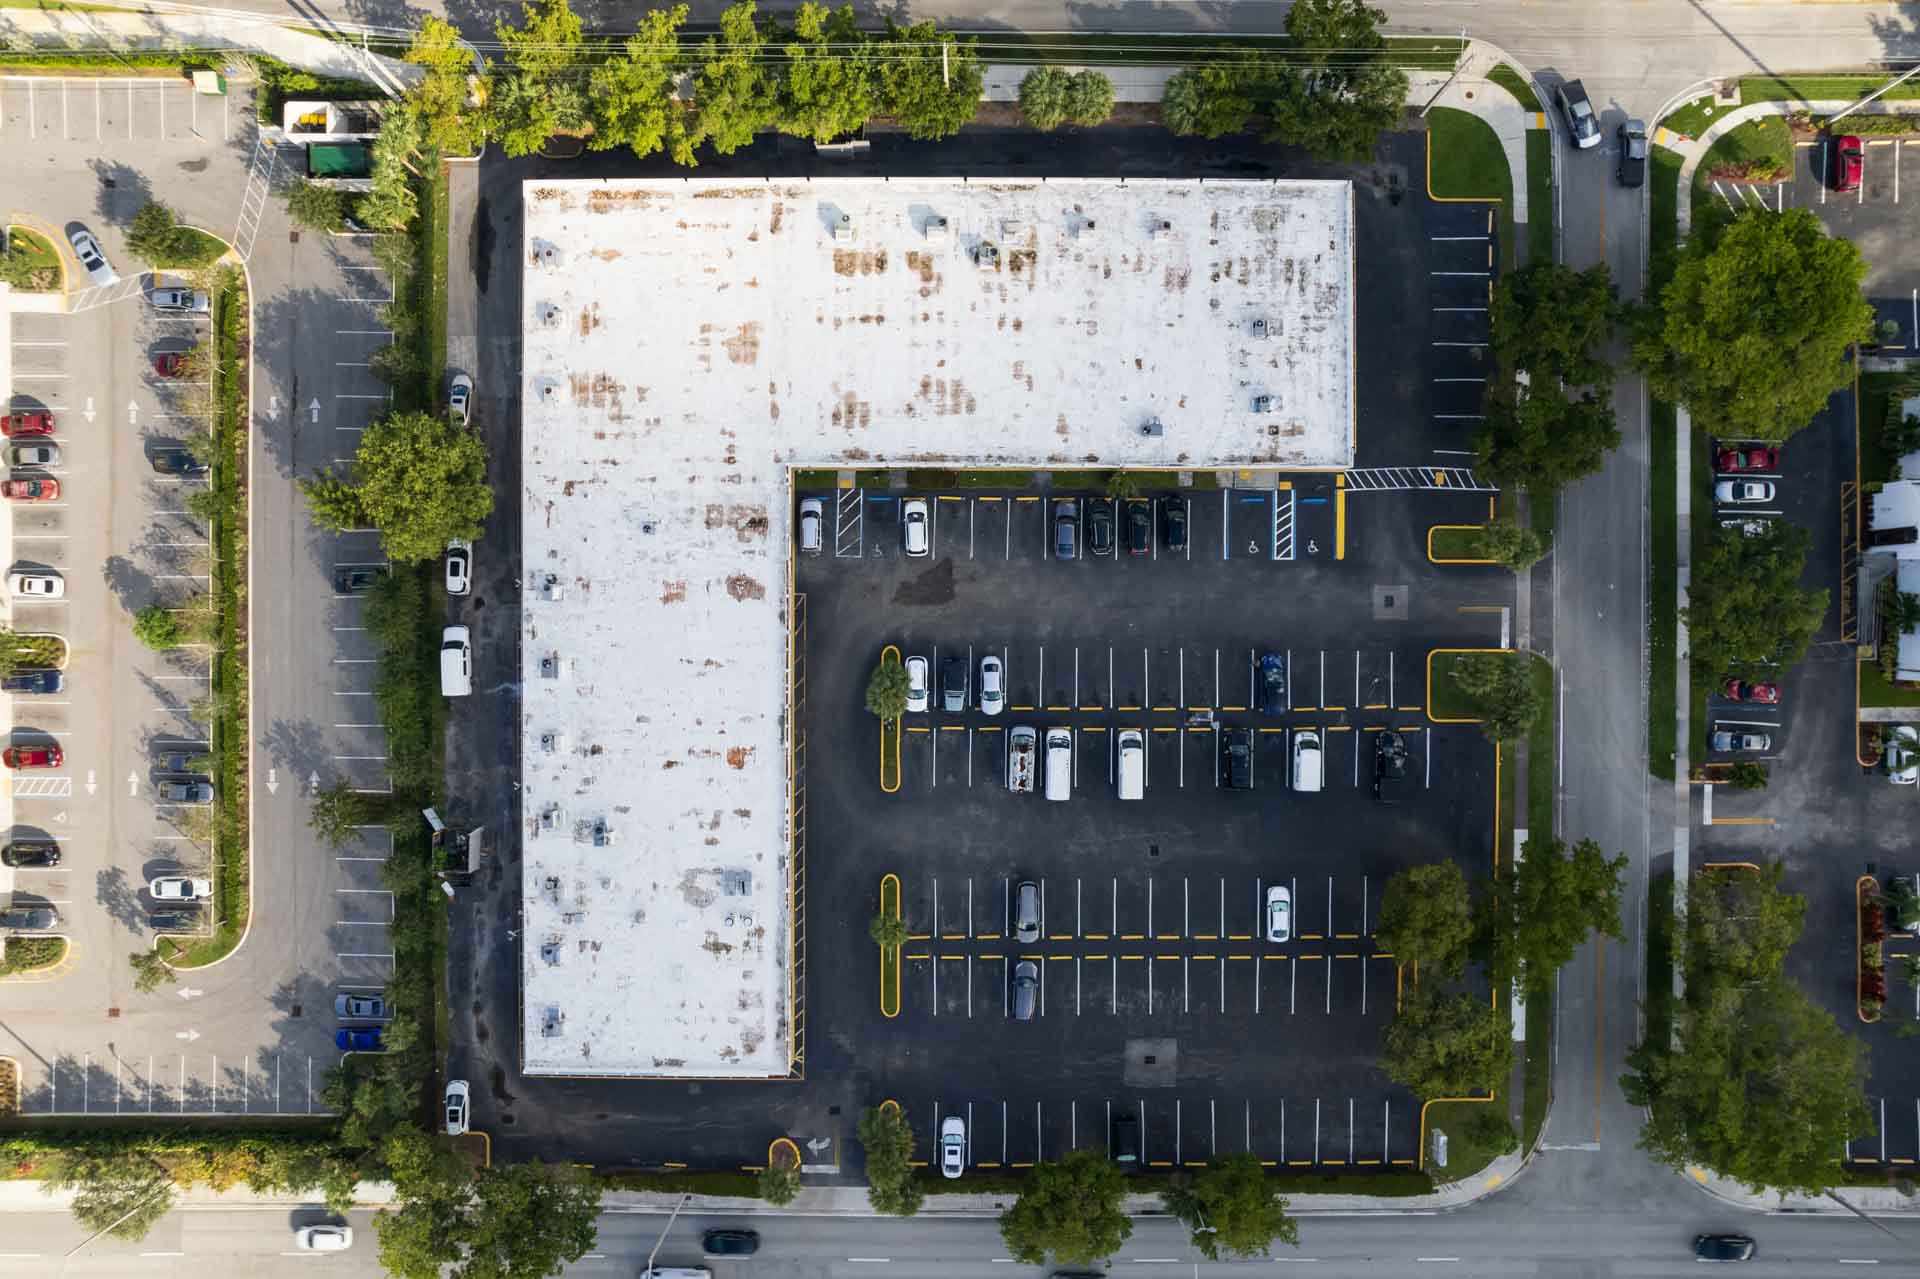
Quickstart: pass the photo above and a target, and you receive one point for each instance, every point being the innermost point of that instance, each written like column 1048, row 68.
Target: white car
column 1279, row 914
column 812, row 513
column 992, row 698
column 1728, row 741
column 459, row 566
column 45, row 453
column 179, row 888
column 455, row 1105
column 44, row 586
column 953, row 1146
column 917, row 694
column 1903, row 755
column 323, row 1238
column 1748, row 528
column 1743, row 491
column 914, row 528
column 460, row 399
column 87, row 249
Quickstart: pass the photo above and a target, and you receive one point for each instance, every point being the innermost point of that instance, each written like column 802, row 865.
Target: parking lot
column 48, row 109
column 1462, row 257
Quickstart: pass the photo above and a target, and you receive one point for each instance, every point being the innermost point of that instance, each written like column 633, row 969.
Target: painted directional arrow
column 273, row 781
column 89, row 410
column 818, row 1144
column 188, row 1035
column 92, row 785
column 313, row 782
column 60, row 817
column 133, row 782
column 133, row 413
column 188, row 992
column 314, row 408
column 273, row 408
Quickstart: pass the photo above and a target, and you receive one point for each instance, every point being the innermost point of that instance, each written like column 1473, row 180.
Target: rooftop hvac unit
column 986, row 256
column 548, row 315
column 553, row 743
column 1159, row 228
column 936, row 230
column 547, row 256
column 1266, row 404
column 553, row 666
column 1264, row 328
column 1011, row 227
column 843, row 227
column 1152, row 429
column 551, row 1021
column 594, row 831
column 550, row 822
column 1087, row 230
column 550, row 951
column 550, row 587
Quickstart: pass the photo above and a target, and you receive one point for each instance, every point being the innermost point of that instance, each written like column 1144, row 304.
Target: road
column 1518, row 1234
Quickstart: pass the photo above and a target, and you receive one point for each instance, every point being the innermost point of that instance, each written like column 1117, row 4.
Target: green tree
column 150, row 972
column 887, row 690
column 337, row 809
column 1747, row 775
column 1746, row 613
column 1338, row 92
column 528, row 1220
column 829, row 86
column 1089, row 98
column 153, row 233
column 1553, row 322
column 1546, row 904
column 931, row 93
column 1501, row 688
column 736, row 89
column 1043, row 97
column 520, row 117
column 421, row 480
column 322, row 208
column 547, row 45
column 1740, row 926
column 1447, row 1045
column 1513, row 544
column 333, row 501
column 887, row 1139
column 779, row 1185
column 1070, row 1209
column 1539, row 438
column 1901, row 611
column 1752, row 329
column 1232, row 1207
column 156, row 627
column 632, row 94
column 1210, row 100
column 442, row 100
column 123, row 1194
column 423, row 1235
column 1426, row 919
column 392, row 204
column 887, row 930
column 1122, row 485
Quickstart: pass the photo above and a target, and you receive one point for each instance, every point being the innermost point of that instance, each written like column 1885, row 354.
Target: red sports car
column 26, row 424
column 170, row 364
column 1848, row 159
column 32, row 757
column 1739, row 690
column 1749, row 458
column 31, row 490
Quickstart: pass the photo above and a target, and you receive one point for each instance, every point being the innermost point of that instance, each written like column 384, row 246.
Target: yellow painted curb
column 1435, row 559
column 1423, row 1120
column 1460, row 199
column 890, row 996
column 890, row 731
column 786, row 1143
column 1428, row 707
column 1859, row 945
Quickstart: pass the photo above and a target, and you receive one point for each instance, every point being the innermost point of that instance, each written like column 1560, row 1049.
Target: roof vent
column 553, row 743
column 551, row 1021
column 1160, row 228
column 547, row 255
column 548, row 315
column 843, row 227
column 550, row 951
column 547, row 389
column 1264, row 328
column 1266, row 404
column 986, row 256
column 1087, row 230
column 553, row 666
column 550, row 587
column 935, row 230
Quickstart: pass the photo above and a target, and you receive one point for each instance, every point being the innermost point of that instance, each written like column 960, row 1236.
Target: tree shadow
column 121, row 898
column 123, row 191
column 278, row 318
column 299, row 747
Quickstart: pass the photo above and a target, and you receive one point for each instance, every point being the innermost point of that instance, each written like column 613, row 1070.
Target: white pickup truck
column 1023, row 749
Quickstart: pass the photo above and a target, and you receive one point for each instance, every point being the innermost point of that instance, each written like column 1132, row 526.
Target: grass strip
column 1473, row 1131
column 1876, row 691
column 1539, row 195
column 1061, row 48
column 1467, row 162
column 1510, row 80
column 434, row 228
column 1693, row 117
column 1660, row 953
column 1144, row 481
column 227, row 487
column 1819, row 88
column 937, row 479
column 1540, row 758
column 1877, row 461
column 1539, row 1076
column 1701, row 528
column 677, row 1181
column 1663, row 581
column 29, row 954
column 1455, row 542
column 116, row 62
column 1446, row 700
column 1384, row 1182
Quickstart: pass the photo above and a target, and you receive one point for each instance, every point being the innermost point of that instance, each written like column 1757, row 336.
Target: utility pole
column 663, row 1232
column 1905, row 75
column 947, row 82
column 166, row 1190
column 1458, row 67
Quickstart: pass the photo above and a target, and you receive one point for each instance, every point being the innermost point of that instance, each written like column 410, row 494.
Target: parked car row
column 1105, row 523
column 957, row 693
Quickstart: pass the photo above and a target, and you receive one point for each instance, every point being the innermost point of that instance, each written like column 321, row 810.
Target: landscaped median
column 1457, row 544
column 1477, row 1133
column 889, row 932
column 887, row 699
column 26, row 955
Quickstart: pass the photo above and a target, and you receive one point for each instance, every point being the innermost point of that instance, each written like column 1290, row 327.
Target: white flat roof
column 687, row 341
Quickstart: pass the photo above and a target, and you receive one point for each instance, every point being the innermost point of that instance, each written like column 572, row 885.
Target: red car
column 32, row 757
column 170, row 363
column 1748, row 458
column 26, row 424
column 1848, row 159
column 1738, row 690
column 31, row 490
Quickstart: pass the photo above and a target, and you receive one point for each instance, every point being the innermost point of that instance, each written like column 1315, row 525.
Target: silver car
column 459, row 566
column 1731, row 741
column 186, row 792
column 42, row 454
column 1743, row 491
column 1026, row 911
column 183, row 301
column 87, row 249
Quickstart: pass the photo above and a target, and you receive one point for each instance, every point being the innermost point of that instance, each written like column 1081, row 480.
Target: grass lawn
column 1663, row 214
column 1539, row 1078
column 1444, row 698
column 1466, row 161
column 434, row 228
column 1693, row 118
column 1456, row 542
column 1539, row 195
column 1817, row 88
column 1016, row 479
column 1509, row 79
column 1659, row 959
column 1093, row 50
column 1876, row 462
column 1876, row 691
column 33, row 247
column 1472, row 1141
column 26, row 954
column 808, row 479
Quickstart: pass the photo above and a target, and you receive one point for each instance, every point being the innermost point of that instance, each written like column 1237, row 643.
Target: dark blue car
column 357, row 1039
column 1273, row 684
column 33, row 682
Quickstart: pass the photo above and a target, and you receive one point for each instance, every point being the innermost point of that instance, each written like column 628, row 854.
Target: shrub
column 155, row 627
column 1089, row 98
column 1043, row 97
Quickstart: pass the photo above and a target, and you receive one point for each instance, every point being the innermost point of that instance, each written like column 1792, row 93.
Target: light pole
column 663, row 1231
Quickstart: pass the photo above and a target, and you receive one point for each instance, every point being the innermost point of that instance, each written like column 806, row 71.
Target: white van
column 1133, row 763
column 1059, row 763
column 456, row 662
column 1306, row 759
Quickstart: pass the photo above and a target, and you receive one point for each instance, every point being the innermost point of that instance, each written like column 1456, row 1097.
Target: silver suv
column 1026, row 911
column 184, row 301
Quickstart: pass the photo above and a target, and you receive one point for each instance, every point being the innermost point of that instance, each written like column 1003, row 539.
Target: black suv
column 1139, row 526
column 1173, row 517
column 1236, row 758
column 1100, row 526
column 730, row 1243
column 31, row 852
column 1389, row 760
column 953, row 684
column 1273, row 684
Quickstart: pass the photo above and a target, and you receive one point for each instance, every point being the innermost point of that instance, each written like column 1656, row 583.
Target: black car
column 1236, row 758
column 730, row 1243
column 1582, row 123
column 354, row 579
column 177, row 762
column 30, row 919
column 1632, row 166
column 1123, row 1142
column 31, row 852
column 1389, row 760
column 1100, row 526
column 1066, row 529
column 33, row 682
column 1273, row 684
column 1139, row 526
column 1723, row 1248
column 176, row 462
column 953, row 684
column 178, row 920
column 1173, row 523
